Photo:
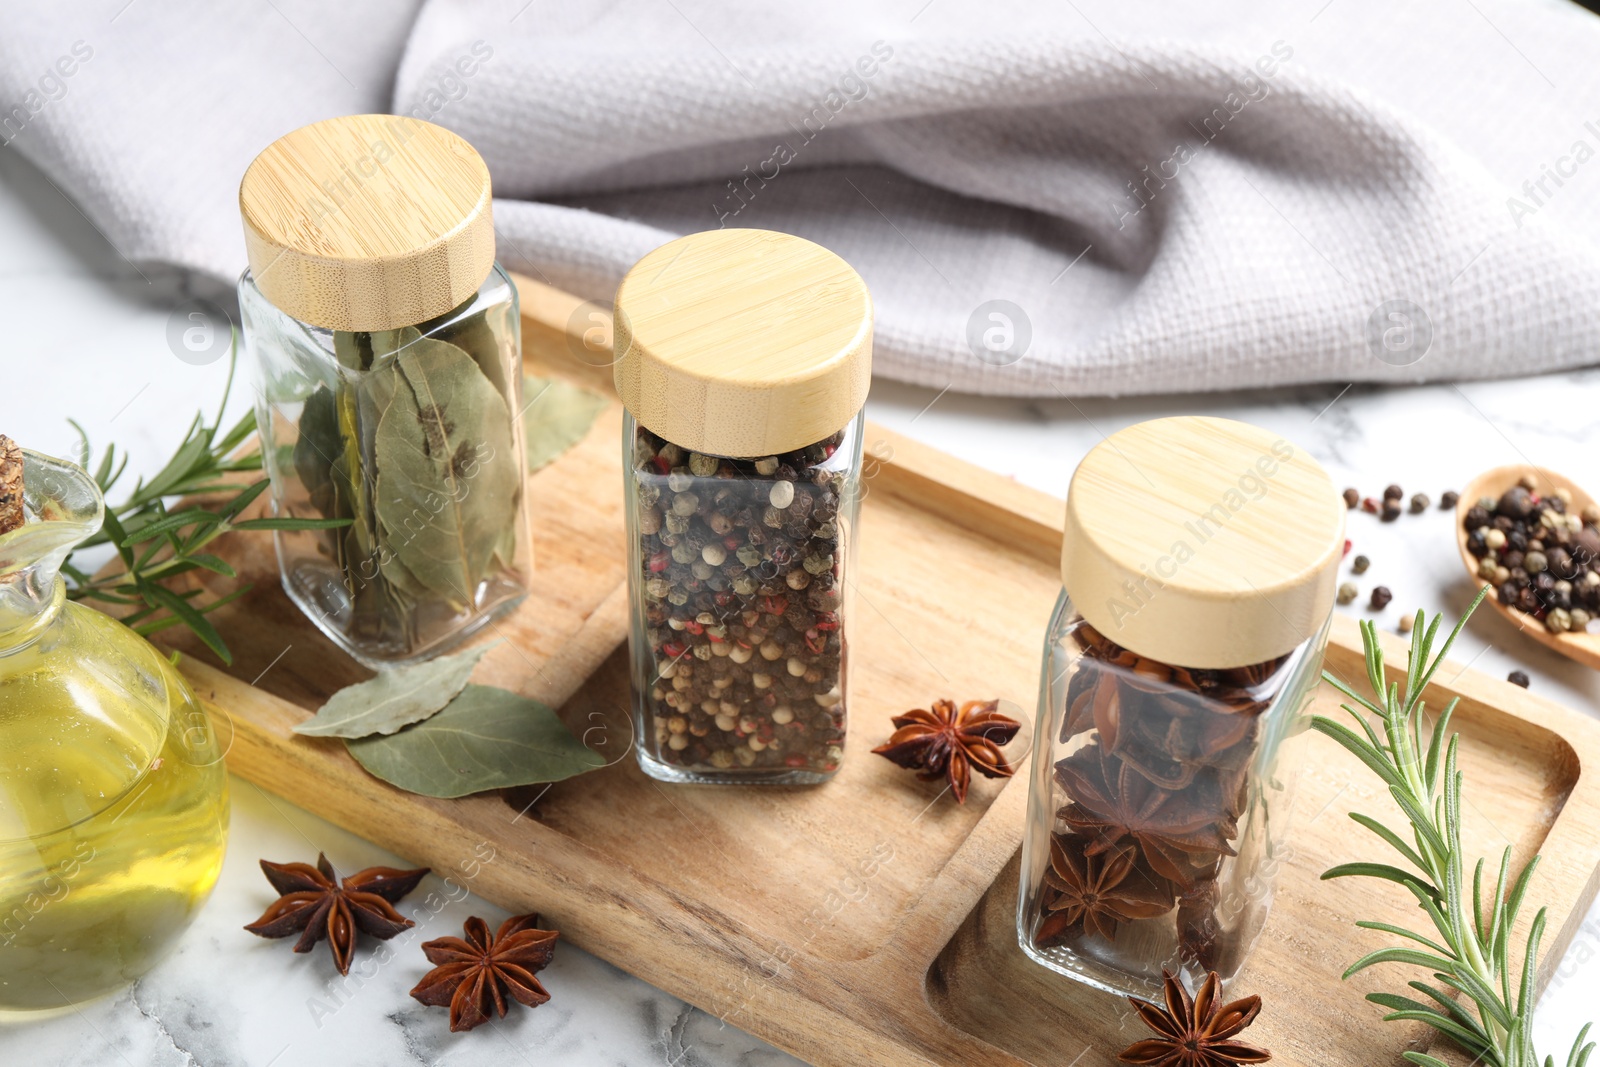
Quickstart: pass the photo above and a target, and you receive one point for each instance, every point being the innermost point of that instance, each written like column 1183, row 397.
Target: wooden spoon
column 1583, row 647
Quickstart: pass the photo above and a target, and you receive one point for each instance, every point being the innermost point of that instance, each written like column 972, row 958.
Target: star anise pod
column 950, row 743
column 1181, row 834
column 1097, row 893
column 476, row 973
column 1195, row 1032
column 1167, row 734
column 316, row 905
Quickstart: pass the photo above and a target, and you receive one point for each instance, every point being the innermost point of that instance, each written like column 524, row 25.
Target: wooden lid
column 743, row 342
column 1202, row 542
column 368, row 222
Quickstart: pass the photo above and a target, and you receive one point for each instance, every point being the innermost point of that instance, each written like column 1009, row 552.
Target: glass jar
column 389, row 373
column 113, row 794
column 1198, row 566
column 744, row 363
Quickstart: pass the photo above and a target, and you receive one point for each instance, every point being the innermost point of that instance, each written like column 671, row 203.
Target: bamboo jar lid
column 1202, row 542
column 743, row 342
column 368, row 222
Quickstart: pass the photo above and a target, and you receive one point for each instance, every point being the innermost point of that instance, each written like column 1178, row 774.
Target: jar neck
column 62, row 507
column 30, row 603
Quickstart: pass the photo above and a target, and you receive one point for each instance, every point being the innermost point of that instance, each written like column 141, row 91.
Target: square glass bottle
column 388, row 360
column 744, row 359
column 1198, row 571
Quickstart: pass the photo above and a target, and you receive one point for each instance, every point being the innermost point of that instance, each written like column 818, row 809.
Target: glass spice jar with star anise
column 1198, row 569
column 744, row 359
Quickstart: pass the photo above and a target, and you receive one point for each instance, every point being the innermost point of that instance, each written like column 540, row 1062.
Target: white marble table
column 86, row 335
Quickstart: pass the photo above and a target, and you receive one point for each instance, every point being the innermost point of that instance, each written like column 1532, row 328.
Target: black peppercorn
column 1516, row 503
column 1476, row 517
column 1393, row 492
column 1518, row 678
column 1448, row 499
column 1586, row 546
column 1391, row 510
column 1380, row 597
column 1476, row 542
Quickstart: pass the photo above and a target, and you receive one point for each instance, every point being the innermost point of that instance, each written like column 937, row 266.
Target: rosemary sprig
column 1472, row 953
column 156, row 545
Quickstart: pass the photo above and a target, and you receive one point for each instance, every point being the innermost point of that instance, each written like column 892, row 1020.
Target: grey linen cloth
column 1078, row 197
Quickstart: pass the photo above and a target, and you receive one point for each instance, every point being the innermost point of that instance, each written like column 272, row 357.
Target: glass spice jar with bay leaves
column 1198, row 569
column 388, row 358
column 744, row 359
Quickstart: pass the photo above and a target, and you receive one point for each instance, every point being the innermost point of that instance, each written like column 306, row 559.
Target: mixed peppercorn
column 1541, row 558
column 741, row 582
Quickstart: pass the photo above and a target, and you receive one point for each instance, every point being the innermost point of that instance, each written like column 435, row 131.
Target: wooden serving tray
column 871, row 920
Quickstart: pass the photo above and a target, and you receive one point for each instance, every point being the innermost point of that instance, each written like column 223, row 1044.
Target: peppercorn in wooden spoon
column 1538, row 547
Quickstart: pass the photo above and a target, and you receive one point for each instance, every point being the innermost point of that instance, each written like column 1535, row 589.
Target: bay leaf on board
column 394, row 699
column 486, row 738
column 556, row 415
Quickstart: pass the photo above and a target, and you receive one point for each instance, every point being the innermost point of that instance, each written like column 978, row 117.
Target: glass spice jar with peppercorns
column 1198, row 570
column 744, row 359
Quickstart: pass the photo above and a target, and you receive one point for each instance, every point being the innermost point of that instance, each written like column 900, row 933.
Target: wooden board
column 870, row 920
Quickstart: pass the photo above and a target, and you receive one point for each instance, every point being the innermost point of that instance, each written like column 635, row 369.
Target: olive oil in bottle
column 113, row 794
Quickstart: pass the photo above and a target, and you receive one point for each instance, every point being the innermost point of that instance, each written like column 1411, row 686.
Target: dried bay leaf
column 395, row 698
column 486, row 336
column 487, row 738
column 447, row 486
column 556, row 417
column 358, row 351
column 316, row 447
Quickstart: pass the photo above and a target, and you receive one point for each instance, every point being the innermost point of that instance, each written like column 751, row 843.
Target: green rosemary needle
column 157, row 545
column 1471, row 955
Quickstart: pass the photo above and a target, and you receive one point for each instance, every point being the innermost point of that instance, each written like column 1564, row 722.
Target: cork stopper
column 1202, row 542
column 368, row 222
column 11, row 513
column 743, row 342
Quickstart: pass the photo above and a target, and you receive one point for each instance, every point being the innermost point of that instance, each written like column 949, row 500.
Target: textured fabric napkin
column 1081, row 198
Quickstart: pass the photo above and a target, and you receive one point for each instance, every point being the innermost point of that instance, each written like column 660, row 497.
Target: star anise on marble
column 950, row 743
column 315, row 904
column 477, row 973
column 1195, row 1032
column 1095, row 894
column 1182, row 834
